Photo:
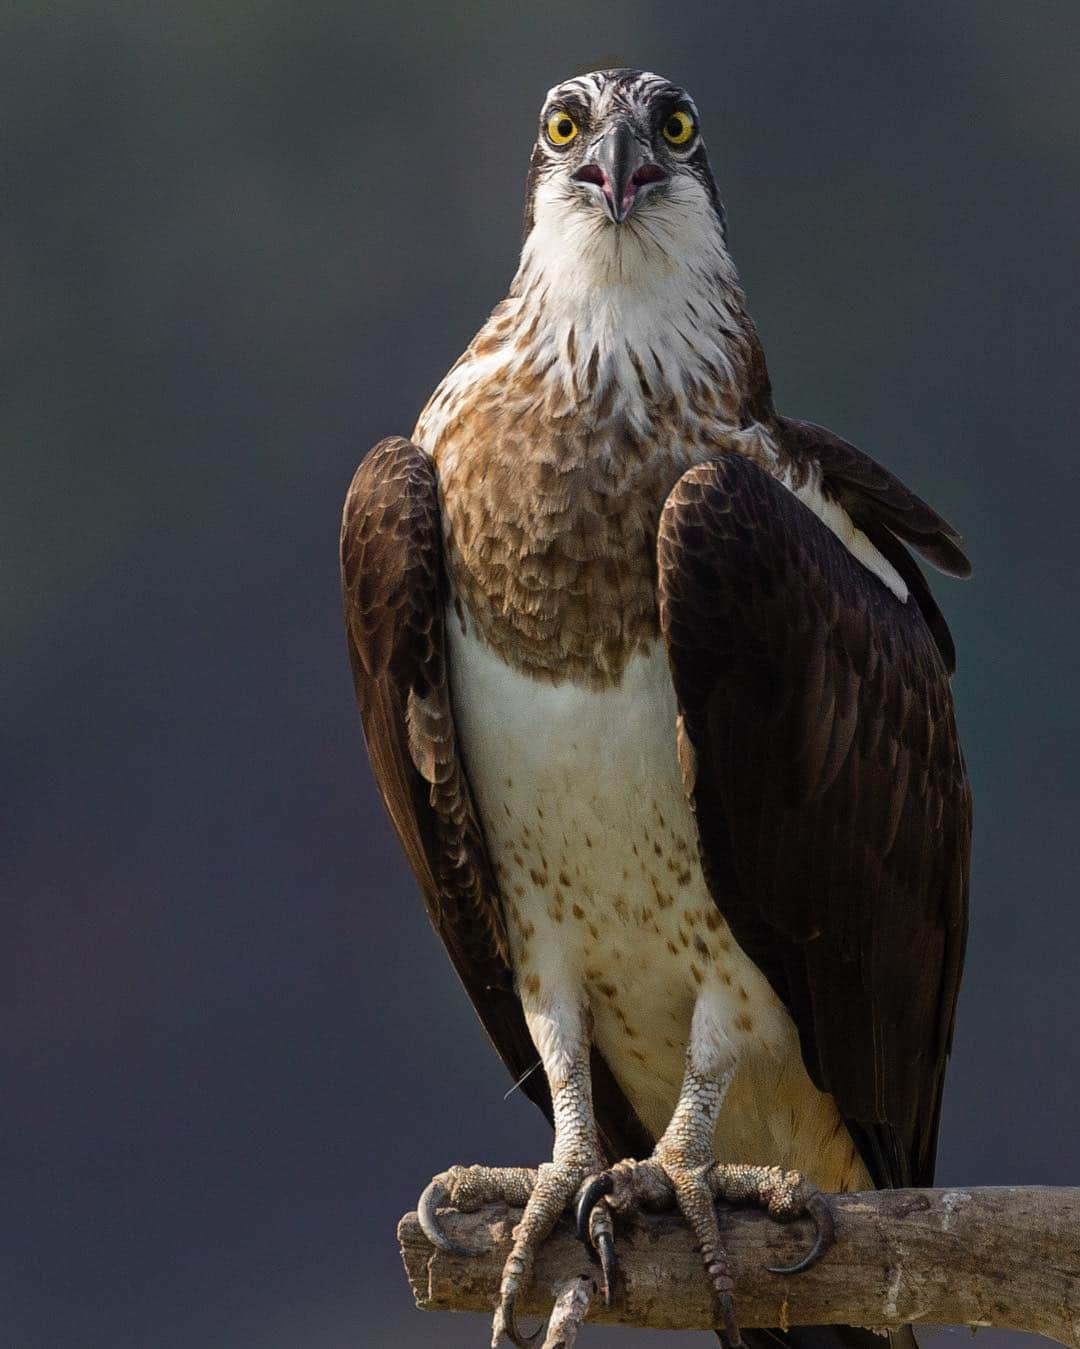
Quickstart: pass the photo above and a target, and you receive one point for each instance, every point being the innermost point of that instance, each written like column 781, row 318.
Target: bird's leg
column 679, row 1169
column 559, row 1029
column 576, row 1155
column 683, row 1170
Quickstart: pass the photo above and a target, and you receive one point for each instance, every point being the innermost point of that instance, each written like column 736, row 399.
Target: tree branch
column 1006, row 1257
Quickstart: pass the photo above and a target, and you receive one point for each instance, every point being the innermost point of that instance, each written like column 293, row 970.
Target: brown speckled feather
column 819, row 746
column 394, row 591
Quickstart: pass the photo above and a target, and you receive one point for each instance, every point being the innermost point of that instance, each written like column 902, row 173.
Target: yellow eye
column 678, row 128
column 561, row 128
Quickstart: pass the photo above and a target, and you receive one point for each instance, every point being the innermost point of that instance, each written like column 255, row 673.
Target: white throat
column 652, row 302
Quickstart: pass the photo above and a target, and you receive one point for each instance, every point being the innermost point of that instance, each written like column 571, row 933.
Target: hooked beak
column 619, row 168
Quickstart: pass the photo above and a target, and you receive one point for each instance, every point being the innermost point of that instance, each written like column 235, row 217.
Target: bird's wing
column 394, row 589
column 870, row 492
column 819, row 749
column 888, row 512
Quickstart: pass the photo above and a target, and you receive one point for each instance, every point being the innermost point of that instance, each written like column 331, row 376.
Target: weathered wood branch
column 1007, row 1257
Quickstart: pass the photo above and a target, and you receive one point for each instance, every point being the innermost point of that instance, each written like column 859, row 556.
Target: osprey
column 658, row 702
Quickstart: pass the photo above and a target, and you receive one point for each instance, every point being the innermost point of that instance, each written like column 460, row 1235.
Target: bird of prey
column 658, row 701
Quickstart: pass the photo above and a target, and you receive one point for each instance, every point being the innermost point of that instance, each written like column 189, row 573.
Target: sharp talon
column 507, row 1325
column 594, row 1221
column 605, row 1248
column 825, row 1229
column 593, row 1192
column 436, row 1194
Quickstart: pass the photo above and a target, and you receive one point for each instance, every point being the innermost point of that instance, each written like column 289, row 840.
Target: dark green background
column 240, row 242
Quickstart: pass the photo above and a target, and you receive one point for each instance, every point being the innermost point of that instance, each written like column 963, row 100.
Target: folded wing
column 819, row 748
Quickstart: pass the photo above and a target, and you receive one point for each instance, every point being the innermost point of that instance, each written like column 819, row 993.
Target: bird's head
column 619, row 167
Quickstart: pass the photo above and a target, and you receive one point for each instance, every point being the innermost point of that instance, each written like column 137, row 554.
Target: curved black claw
column 506, row 1324
column 591, row 1193
column 434, row 1195
column 825, row 1234
column 605, row 1249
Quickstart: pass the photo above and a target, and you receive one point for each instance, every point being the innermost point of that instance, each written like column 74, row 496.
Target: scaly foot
column 543, row 1192
column 664, row 1180
column 468, row 1188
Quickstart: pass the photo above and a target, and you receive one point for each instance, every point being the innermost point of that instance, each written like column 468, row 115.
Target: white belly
column 595, row 849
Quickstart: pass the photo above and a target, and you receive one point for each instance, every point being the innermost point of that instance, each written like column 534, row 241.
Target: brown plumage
column 552, row 494
column 690, row 616
column 817, row 724
column 394, row 591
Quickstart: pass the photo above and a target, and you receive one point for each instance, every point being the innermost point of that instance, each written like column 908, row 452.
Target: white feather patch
column 595, row 848
column 831, row 513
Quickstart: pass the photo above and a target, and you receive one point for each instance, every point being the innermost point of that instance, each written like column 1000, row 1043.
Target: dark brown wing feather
column 820, row 750
column 871, row 494
column 394, row 592
column 887, row 512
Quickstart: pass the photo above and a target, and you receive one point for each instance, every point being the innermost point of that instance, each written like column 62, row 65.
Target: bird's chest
column 551, row 539
column 595, row 851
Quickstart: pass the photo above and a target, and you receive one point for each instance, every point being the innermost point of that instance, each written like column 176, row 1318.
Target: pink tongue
column 648, row 173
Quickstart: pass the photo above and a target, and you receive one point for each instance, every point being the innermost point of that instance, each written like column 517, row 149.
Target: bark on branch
column 1006, row 1257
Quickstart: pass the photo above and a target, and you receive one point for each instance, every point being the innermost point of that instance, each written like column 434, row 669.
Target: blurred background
column 239, row 243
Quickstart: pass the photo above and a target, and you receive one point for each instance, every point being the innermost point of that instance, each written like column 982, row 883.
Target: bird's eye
column 678, row 128
column 561, row 128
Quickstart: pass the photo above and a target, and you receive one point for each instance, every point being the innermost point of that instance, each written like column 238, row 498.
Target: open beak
column 620, row 169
